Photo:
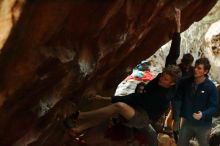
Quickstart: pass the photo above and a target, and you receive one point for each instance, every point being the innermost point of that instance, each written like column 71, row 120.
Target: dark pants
column 201, row 133
column 141, row 123
column 151, row 135
column 215, row 140
column 176, row 106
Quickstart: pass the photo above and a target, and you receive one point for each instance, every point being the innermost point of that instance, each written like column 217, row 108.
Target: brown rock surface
column 63, row 50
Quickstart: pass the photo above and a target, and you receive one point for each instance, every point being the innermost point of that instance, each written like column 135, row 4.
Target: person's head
column 140, row 87
column 170, row 75
column 186, row 61
column 202, row 67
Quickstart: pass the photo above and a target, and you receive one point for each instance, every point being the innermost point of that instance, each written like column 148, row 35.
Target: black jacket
column 174, row 52
column 155, row 100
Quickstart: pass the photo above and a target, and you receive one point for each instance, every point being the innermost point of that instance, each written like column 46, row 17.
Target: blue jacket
column 202, row 97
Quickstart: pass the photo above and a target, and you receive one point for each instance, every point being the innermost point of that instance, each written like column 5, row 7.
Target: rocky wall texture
column 59, row 52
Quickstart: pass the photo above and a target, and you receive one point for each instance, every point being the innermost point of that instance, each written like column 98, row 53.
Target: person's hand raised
column 178, row 15
column 178, row 19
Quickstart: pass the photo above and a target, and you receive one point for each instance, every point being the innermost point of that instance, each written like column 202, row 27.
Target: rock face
column 212, row 50
column 9, row 14
column 60, row 52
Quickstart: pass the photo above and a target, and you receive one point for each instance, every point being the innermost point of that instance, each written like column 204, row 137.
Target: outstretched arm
column 178, row 20
column 101, row 98
column 175, row 45
column 129, row 99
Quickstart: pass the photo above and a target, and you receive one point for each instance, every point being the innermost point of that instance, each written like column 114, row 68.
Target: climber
column 138, row 109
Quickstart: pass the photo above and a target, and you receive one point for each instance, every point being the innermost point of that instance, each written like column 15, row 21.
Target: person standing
column 199, row 103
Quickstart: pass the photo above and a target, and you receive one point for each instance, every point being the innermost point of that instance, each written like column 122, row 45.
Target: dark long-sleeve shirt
column 155, row 101
column 202, row 97
column 174, row 52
